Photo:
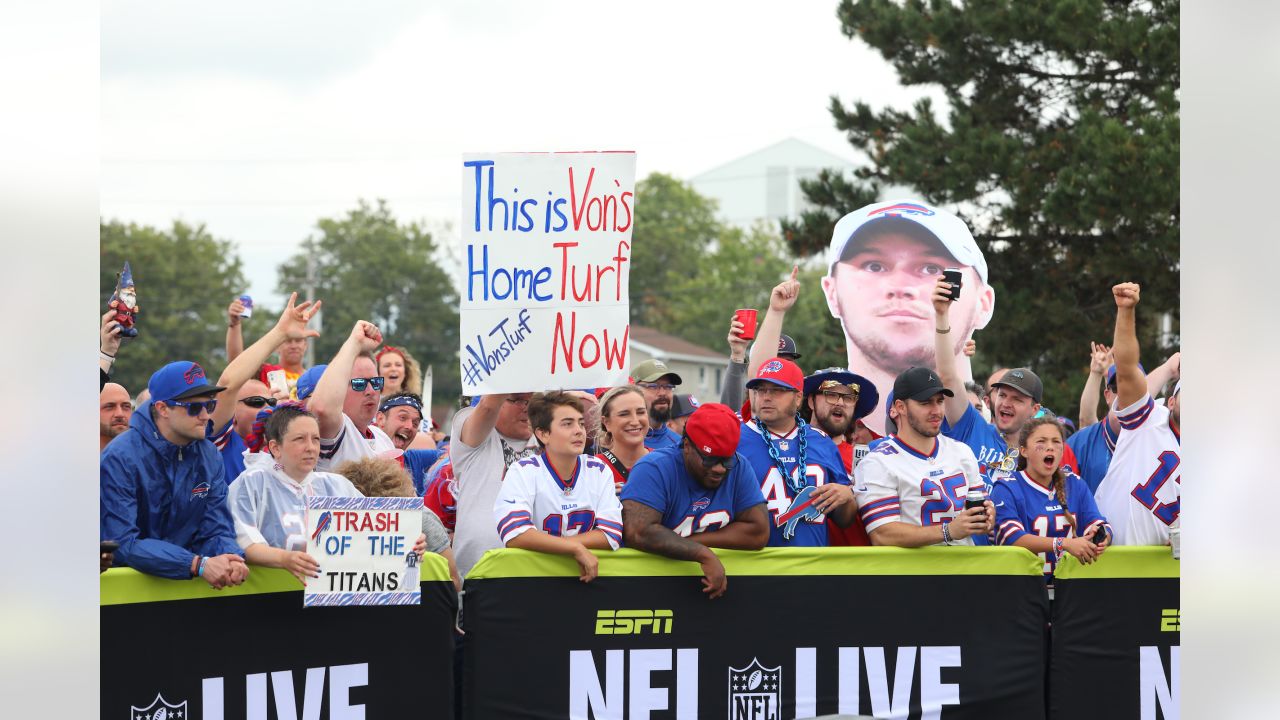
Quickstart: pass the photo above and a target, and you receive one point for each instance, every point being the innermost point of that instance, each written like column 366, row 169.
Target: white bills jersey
column 898, row 483
column 352, row 444
column 1141, row 492
column 269, row 507
column 533, row 495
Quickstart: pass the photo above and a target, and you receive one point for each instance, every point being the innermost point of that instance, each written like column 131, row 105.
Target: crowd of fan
column 202, row 479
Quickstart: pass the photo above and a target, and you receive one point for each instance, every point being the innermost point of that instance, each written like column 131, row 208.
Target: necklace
column 795, row 480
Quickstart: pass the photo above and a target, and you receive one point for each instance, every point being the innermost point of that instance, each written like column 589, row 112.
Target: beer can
column 247, row 302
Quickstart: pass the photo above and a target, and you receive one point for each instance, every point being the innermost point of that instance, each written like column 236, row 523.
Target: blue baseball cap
column 1111, row 373
column 180, row 380
column 307, row 381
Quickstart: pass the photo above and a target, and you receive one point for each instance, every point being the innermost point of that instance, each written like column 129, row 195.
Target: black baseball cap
column 919, row 384
column 683, row 405
column 787, row 348
column 1024, row 381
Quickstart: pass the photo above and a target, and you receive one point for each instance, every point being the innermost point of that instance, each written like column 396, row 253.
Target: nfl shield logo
column 755, row 691
column 159, row 709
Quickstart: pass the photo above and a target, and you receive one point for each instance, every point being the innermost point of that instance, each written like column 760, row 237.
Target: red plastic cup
column 746, row 316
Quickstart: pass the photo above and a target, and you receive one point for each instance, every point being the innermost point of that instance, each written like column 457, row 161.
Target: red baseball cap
column 714, row 429
column 779, row 372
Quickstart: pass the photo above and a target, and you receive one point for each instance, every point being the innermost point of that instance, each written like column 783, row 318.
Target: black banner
column 262, row 656
column 911, row 642
column 1116, row 630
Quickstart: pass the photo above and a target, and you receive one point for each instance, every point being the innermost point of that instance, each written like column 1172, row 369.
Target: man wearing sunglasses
column 232, row 421
column 345, row 401
column 834, row 400
column 682, row 500
column 164, row 499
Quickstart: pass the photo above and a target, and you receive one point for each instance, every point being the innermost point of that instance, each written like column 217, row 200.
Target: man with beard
column 1015, row 399
column 400, row 416
column 114, row 408
column 345, row 401
column 799, row 469
column 883, row 261
column 834, row 400
column 658, row 384
column 1141, row 494
column 911, row 488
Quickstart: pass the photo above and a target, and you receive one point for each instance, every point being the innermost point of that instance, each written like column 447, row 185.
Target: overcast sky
column 259, row 118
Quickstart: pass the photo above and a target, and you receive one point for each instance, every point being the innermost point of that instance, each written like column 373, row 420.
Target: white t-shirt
column 898, row 483
column 270, row 507
column 1141, row 493
column 478, row 471
column 351, row 444
column 533, row 497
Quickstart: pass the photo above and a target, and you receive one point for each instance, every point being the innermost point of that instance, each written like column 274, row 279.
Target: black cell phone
column 953, row 276
column 109, row 546
column 1100, row 536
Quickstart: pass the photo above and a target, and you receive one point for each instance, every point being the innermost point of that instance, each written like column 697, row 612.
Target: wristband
column 1057, row 547
column 946, row 533
column 105, row 356
column 943, row 331
column 200, row 572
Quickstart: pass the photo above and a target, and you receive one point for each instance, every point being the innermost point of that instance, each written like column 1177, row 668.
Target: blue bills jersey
column 794, row 522
column 661, row 481
column 1025, row 507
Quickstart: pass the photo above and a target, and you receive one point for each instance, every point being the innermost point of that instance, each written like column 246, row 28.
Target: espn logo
column 1170, row 620
column 633, row 622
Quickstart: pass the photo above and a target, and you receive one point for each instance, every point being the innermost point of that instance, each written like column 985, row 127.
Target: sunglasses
column 195, row 408
column 710, row 461
column 257, row 401
column 359, row 384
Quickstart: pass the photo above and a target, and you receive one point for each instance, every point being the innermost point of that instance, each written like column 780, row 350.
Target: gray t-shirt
column 437, row 536
column 479, row 471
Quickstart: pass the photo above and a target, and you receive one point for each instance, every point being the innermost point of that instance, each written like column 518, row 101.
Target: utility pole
column 309, row 286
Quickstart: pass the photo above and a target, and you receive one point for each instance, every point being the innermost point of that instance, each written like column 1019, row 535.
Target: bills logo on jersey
column 802, row 508
column 201, row 490
column 755, row 691
column 700, row 504
column 902, row 209
column 159, row 709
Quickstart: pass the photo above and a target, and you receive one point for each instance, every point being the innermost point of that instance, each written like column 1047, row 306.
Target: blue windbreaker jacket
column 164, row 504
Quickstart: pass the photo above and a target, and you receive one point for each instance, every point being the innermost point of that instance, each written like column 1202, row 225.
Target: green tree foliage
column 185, row 279
column 372, row 267
column 1059, row 147
column 674, row 229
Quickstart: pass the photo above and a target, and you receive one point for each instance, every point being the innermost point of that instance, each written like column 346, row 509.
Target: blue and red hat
column 779, row 372
column 308, row 380
column 180, row 380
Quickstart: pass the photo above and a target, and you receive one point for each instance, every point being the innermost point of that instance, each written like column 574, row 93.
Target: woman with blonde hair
column 379, row 476
column 624, row 420
column 399, row 370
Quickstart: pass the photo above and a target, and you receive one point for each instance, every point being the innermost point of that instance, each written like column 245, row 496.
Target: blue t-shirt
column 418, row 462
column 662, row 437
column 1023, row 507
column 995, row 459
column 1093, row 446
column 794, row 522
column 230, row 446
column 661, row 481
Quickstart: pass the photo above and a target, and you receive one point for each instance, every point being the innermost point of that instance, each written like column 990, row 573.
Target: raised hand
column 366, row 336
column 970, row 347
column 109, row 335
column 1126, row 294
column 785, row 293
column 233, row 312
column 1099, row 358
column 737, row 346
column 293, row 321
column 942, row 297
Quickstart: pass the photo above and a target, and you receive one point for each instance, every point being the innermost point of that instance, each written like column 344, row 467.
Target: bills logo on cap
column 772, row 366
column 693, row 401
column 195, row 372
column 902, row 209
column 200, row 490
